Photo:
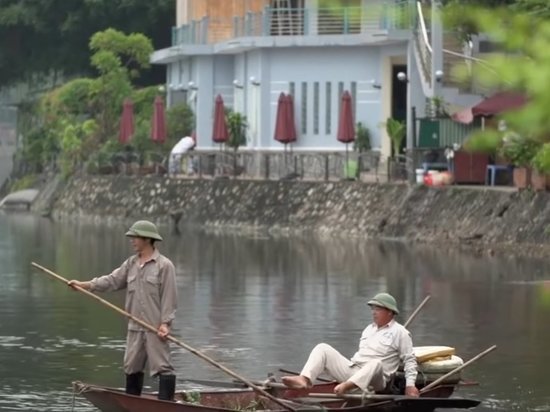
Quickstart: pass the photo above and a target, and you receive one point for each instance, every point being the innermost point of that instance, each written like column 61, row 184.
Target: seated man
column 383, row 344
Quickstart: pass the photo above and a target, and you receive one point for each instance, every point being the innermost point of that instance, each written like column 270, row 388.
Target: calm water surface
column 259, row 304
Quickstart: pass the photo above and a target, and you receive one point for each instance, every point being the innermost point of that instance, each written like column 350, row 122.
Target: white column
column 312, row 16
column 204, row 106
column 182, row 12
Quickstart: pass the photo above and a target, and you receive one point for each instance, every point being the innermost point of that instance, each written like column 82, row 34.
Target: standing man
column 383, row 345
column 151, row 295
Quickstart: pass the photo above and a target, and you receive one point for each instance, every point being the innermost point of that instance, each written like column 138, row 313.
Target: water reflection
column 257, row 304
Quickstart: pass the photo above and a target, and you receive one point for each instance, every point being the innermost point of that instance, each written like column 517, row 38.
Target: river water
column 257, row 304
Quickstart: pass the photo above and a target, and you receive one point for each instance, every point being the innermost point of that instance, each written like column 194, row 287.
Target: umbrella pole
column 347, row 163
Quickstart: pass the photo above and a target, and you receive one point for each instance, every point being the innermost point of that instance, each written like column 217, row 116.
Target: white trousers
column 324, row 358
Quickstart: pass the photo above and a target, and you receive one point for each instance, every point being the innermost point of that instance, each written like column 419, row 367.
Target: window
column 328, row 113
column 354, row 98
column 316, row 107
column 304, row 107
column 292, row 88
column 340, row 93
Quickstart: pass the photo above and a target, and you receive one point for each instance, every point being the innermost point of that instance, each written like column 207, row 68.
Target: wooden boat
column 437, row 366
column 244, row 399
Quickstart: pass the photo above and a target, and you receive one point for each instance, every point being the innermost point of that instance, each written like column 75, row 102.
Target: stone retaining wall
column 488, row 219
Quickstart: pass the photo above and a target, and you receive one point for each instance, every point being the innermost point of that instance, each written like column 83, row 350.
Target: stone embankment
column 483, row 219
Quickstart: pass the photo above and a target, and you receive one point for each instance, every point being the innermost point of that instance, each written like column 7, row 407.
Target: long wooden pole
column 413, row 315
column 457, row 369
column 169, row 337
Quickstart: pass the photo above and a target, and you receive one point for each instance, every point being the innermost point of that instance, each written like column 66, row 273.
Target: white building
column 250, row 51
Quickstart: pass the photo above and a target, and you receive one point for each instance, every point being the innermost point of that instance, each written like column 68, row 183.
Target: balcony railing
column 298, row 22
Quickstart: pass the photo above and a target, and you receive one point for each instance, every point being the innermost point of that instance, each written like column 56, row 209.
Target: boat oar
column 457, row 369
column 170, row 338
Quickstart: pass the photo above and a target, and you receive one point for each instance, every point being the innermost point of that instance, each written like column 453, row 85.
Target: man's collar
column 387, row 325
column 153, row 257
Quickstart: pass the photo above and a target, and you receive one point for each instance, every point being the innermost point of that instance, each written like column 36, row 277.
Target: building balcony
column 380, row 16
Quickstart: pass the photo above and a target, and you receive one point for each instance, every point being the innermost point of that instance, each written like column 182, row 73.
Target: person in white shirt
column 182, row 147
column 383, row 345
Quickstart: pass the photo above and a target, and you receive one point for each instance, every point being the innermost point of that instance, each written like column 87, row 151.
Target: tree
column 48, row 38
column 118, row 58
column 523, row 67
column 77, row 117
column 459, row 13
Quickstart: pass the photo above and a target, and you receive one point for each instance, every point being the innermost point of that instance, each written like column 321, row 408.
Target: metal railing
column 325, row 166
column 424, row 52
column 196, row 32
column 423, row 47
column 385, row 15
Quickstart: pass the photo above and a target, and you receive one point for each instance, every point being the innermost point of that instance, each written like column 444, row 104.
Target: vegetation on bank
column 523, row 136
column 77, row 123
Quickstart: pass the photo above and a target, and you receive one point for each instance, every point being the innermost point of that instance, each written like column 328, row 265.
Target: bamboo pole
column 413, row 315
column 456, row 370
column 169, row 337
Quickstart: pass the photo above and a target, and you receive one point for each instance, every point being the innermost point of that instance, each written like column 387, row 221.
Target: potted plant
column 396, row 130
column 236, row 125
column 519, row 151
column 362, row 138
column 541, row 167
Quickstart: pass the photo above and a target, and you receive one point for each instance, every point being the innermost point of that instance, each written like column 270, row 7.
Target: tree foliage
column 522, row 67
column 459, row 13
column 45, row 38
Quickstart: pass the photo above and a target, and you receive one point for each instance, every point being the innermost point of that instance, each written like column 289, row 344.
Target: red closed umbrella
column 285, row 124
column 281, row 133
column 346, row 126
column 158, row 124
column 220, row 134
column 126, row 122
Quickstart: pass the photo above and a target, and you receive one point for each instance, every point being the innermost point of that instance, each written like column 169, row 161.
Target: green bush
column 25, row 182
column 519, row 150
column 362, row 138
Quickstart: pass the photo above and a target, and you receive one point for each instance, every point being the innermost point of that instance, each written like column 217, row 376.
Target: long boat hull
column 114, row 400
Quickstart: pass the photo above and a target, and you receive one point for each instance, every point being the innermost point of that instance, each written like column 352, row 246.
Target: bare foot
column 296, row 382
column 344, row 387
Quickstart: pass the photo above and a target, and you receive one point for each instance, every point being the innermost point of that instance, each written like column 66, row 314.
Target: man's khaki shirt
column 151, row 292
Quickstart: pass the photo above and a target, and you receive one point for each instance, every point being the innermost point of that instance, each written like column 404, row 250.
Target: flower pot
column 538, row 181
column 521, row 177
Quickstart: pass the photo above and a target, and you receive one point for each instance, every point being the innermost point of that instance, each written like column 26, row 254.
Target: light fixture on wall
column 402, row 77
column 439, row 75
column 237, row 84
column 192, row 85
column 375, row 84
column 254, row 81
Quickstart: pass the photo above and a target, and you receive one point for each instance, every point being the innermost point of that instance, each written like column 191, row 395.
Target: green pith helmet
column 144, row 228
column 384, row 300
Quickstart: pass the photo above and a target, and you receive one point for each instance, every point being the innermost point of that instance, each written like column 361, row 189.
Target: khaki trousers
column 324, row 358
column 147, row 346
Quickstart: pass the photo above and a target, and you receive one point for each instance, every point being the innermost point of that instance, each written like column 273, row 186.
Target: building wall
column 315, row 76
column 318, row 77
column 220, row 14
